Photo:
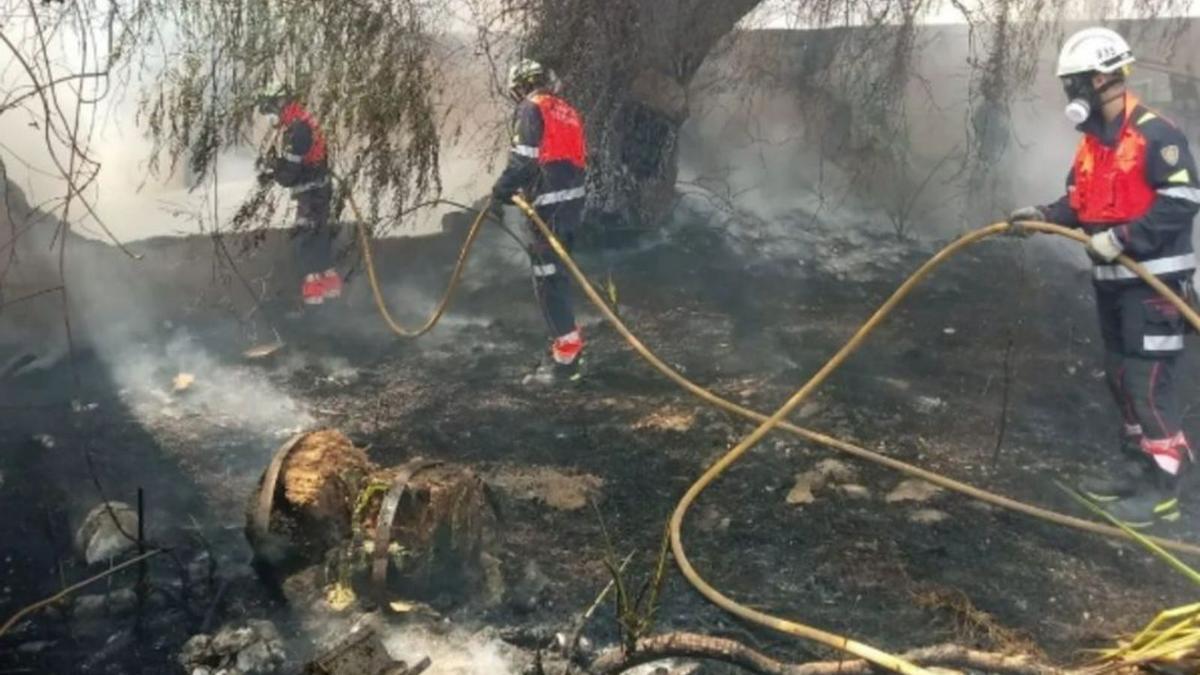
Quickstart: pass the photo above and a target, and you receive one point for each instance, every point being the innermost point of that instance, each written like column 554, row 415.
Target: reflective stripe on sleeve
column 1190, row 194
column 560, row 196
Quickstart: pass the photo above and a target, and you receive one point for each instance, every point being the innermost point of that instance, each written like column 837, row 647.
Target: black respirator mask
column 1084, row 99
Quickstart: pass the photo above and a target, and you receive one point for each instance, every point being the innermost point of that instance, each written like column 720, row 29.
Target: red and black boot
column 1158, row 500
column 564, row 362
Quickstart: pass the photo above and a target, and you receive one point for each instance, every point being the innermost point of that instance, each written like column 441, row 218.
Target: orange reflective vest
column 562, row 132
column 1110, row 182
column 294, row 112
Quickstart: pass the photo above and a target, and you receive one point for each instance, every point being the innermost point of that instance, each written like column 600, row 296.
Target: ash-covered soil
column 1007, row 321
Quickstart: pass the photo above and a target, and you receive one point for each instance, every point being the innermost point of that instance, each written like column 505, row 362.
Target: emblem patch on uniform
column 1170, row 154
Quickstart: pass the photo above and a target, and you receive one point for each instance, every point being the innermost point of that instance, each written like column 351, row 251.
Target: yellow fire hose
column 777, row 420
column 460, row 265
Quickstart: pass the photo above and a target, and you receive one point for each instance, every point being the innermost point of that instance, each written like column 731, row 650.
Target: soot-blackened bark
column 627, row 65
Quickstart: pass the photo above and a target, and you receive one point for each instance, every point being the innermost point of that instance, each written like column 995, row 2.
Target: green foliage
column 636, row 612
column 364, row 68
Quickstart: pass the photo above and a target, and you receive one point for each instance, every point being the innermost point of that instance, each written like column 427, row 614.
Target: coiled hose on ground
column 777, row 419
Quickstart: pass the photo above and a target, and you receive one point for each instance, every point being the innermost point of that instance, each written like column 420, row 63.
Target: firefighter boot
column 331, row 284
column 312, row 291
column 1132, row 471
column 550, row 372
column 1158, row 500
column 563, row 363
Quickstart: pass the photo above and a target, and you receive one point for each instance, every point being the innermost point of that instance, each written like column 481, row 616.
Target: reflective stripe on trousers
column 1162, row 343
column 313, row 185
column 1155, row 266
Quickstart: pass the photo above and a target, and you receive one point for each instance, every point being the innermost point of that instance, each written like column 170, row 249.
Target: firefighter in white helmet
column 548, row 163
column 1133, row 189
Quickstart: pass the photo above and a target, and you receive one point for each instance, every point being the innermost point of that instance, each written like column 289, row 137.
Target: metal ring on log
column 261, row 522
column 387, row 516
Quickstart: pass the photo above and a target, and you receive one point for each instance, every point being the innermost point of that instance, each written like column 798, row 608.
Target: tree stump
column 418, row 529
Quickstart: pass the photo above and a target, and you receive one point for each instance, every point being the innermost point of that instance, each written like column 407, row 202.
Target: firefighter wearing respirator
column 1133, row 190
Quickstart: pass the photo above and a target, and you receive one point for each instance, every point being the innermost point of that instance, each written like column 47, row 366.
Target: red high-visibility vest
column 1110, row 183
column 562, row 132
column 293, row 112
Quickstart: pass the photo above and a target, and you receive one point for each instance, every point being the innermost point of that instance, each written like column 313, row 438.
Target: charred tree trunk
column 627, row 65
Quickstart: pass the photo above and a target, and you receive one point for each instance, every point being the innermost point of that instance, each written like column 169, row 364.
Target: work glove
column 1024, row 215
column 1104, row 247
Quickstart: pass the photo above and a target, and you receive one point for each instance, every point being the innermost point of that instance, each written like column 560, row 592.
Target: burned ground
column 1005, row 319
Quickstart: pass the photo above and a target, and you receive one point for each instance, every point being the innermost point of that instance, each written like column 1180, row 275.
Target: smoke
column 455, row 652
column 181, row 380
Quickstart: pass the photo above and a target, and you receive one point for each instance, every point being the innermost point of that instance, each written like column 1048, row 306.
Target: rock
column 256, row 659
column 266, row 630
column 855, row 491
column 710, row 518
column 198, row 649
column 802, row 492
column 913, row 490
column 668, row 418
column 253, row 649
column 809, row 410
column 928, row 516
column 833, row 469
column 807, row 483
column 232, row 641
column 106, row 532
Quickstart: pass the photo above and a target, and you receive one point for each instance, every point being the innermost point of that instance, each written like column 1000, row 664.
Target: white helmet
column 525, row 76
column 1094, row 50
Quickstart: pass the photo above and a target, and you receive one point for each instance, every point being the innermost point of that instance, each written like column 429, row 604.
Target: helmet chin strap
column 1107, row 86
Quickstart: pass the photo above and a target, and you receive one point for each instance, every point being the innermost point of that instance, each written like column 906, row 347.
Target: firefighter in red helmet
column 547, row 163
column 1133, row 189
column 301, row 165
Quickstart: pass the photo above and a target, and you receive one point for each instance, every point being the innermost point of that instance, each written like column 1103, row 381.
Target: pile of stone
column 252, row 649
